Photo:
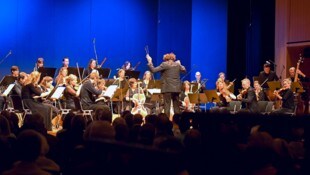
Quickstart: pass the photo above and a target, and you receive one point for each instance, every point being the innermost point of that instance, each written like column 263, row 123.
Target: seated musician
column 186, row 105
column 267, row 74
column 89, row 93
column 222, row 76
column 224, row 94
column 247, row 96
column 121, row 80
column 15, row 71
column 201, row 84
column 135, row 98
column 101, row 86
column 31, row 89
column 127, row 66
column 71, row 91
column 259, row 92
column 90, row 68
column 133, row 89
column 286, row 95
column 19, row 83
column 39, row 63
column 61, row 77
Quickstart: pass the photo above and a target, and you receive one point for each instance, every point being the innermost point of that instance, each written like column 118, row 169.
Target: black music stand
column 274, row 85
column 104, row 72
column 296, row 87
column 132, row 74
column 46, row 71
column 212, row 96
column 118, row 96
column 74, row 71
column 7, row 80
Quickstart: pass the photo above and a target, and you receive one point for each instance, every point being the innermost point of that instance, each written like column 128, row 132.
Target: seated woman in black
column 70, row 92
column 30, row 90
column 286, row 95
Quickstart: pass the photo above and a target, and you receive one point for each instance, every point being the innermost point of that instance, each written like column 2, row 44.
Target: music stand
column 212, row 96
column 8, row 90
column 7, row 80
column 132, row 74
column 194, row 87
column 156, row 97
column 57, row 92
column 118, row 96
column 274, row 85
column 46, row 71
column 104, row 72
column 154, row 84
column 296, row 87
column 74, row 71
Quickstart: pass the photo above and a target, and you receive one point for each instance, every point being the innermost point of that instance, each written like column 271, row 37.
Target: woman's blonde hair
column 33, row 78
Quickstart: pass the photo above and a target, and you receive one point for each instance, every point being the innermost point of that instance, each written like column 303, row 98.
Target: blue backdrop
column 194, row 29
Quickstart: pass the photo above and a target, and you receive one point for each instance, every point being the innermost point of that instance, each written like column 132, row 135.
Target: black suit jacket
column 170, row 76
column 250, row 100
column 88, row 93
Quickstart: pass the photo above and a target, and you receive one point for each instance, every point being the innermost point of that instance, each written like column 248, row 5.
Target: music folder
column 154, row 84
column 104, row 72
column 7, row 80
column 212, row 96
column 197, row 98
column 8, row 90
column 296, row 87
column 46, row 71
column 274, row 85
column 132, row 74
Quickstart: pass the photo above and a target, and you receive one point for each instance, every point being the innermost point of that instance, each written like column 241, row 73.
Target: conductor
column 170, row 70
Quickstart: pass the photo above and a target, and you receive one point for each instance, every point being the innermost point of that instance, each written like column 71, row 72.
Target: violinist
column 224, row 94
column 201, row 84
column 267, row 74
column 71, row 91
column 188, row 107
column 120, row 80
column 31, row 89
column 223, row 78
column 61, row 77
column 89, row 92
column 260, row 94
column 247, row 96
column 286, row 95
column 90, row 68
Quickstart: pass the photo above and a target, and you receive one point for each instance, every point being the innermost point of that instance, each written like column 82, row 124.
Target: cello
column 139, row 99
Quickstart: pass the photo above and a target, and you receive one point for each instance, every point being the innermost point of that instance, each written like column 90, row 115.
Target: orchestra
column 90, row 91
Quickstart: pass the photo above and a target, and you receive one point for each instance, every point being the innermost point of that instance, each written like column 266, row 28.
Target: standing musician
column 201, row 85
column 267, row 74
column 188, row 107
column 301, row 76
column 61, row 77
column 90, row 68
column 247, row 96
column 224, row 94
column 71, row 91
column 260, row 94
column 31, row 89
column 89, row 92
column 65, row 62
column 286, row 95
column 147, row 78
column 120, row 80
column 170, row 77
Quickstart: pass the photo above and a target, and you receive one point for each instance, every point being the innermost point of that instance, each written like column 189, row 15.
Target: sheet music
column 110, row 91
column 8, row 90
column 58, row 92
column 154, row 91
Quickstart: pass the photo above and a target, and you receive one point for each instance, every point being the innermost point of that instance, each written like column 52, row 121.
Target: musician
column 301, row 76
column 127, row 66
column 19, row 83
column 71, row 91
column 15, row 71
column 260, row 94
column 267, row 74
column 171, row 83
column 31, row 89
column 39, row 63
column 46, row 86
column 121, row 80
column 133, row 89
column 65, row 62
column 188, row 107
column 201, row 85
column 89, row 93
column 286, row 95
column 248, row 96
column 90, row 68
column 61, row 77
column 224, row 94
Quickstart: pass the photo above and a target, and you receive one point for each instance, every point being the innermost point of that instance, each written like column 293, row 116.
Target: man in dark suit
column 248, row 96
column 267, row 74
column 89, row 93
column 170, row 77
column 201, row 83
